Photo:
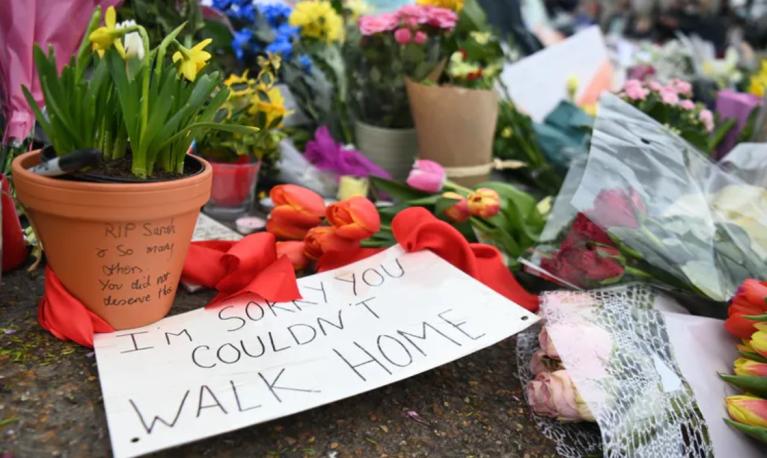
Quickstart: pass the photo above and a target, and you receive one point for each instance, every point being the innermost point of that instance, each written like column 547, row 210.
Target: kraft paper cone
column 455, row 127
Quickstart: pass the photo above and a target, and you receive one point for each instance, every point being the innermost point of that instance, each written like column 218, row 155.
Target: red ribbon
column 251, row 266
column 246, row 266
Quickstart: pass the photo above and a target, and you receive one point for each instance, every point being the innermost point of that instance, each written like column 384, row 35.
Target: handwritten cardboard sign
column 357, row 328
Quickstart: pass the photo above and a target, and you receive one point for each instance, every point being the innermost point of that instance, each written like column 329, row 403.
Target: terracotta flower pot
column 455, row 127
column 118, row 247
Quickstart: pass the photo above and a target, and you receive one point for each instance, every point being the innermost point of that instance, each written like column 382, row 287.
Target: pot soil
column 456, row 127
column 117, row 247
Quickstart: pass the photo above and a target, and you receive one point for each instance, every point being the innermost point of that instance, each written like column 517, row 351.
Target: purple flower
column 325, row 154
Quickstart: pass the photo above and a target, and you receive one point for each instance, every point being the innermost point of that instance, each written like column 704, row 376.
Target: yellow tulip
column 107, row 35
column 749, row 410
column 759, row 339
column 191, row 61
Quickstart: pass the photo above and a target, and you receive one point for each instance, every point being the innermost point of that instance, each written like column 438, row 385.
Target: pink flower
column 655, row 86
column 537, row 362
column 687, row 105
column 547, row 346
column 420, row 38
column 618, row 208
column 427, row 176
column 669, row 96
column 442, row 18
column 413, row 15
column 403, row 36
column 370, row 25
column 707, row 118
column 553, row 394
column 682, row 87
column 635, row 90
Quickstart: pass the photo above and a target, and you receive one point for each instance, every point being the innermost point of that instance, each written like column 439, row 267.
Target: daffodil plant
column 122, row 97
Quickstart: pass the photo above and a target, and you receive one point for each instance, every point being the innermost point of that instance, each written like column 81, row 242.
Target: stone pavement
column 50, row 403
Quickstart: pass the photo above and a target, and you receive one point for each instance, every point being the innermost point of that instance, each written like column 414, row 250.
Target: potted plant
column 116, row 234
column 236, row 158
column 455, row 109
column 391, row 46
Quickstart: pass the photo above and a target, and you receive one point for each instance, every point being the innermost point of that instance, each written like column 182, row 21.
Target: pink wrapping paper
column 59, row 23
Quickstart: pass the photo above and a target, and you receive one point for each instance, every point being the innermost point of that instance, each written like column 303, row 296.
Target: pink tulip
column 420, row 38
column 427, row 176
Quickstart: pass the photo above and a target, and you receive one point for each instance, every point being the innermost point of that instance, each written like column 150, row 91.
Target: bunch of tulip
column 747, row 319
column 495, row 213
column 307, row 229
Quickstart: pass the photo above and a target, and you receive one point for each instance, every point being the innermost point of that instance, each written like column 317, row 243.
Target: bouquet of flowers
column 649, row 206
column 408, row 42
column 672, row 106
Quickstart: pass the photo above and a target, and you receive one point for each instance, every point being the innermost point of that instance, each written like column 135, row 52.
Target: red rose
column 584, row 230
column 750, row 299
column 585, row 265
column 618, row 208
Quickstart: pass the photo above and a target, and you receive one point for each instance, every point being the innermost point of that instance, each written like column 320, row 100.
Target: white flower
column 134, row 46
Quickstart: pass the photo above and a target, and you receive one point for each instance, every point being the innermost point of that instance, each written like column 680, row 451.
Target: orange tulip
column 355, row 218
column 296, row 210
column 323, row 239
column 458, row 212
column 484, row 203
column 294, row 250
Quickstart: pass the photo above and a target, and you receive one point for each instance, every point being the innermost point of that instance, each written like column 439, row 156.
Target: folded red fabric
column 247, row 266
column 64, row 316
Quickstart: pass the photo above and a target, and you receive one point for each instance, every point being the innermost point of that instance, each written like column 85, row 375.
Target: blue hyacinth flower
column 275, row 13
column 282, row 47
column 221, row 5
column 305, row 62
column 241, row 42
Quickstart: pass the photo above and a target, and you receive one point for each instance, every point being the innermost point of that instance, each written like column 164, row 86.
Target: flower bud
column 745, row 366
column 458, row 212
column 749, row 410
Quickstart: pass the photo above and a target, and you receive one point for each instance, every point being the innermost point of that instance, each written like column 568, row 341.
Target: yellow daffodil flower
column 107, row 35
column 455, row 5
column 758, row 82
column 191, row 61
column 317, row 19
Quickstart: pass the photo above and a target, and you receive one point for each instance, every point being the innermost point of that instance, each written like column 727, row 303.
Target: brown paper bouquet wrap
column 455, row 127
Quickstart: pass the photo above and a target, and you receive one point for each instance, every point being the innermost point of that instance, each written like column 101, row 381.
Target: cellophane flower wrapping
column 614, row 344
column 649, row 206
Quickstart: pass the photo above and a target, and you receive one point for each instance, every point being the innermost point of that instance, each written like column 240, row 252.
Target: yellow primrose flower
column 107, row 35
column 273, row 108
column 481, row 38
column 759, row 81
column 191, row 61
column 317, row 19
column 455, row 5
column 239, row 85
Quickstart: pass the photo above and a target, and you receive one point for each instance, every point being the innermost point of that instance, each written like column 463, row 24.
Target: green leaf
column 396, row 190
column 752, row 384
column 755, row 432
column 756, row 317
column 753, row 356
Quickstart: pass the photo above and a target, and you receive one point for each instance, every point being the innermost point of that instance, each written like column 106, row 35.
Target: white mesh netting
column 614, row 345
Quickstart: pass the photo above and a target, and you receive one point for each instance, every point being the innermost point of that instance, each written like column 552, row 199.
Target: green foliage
column 127, row 100
column 160, row 18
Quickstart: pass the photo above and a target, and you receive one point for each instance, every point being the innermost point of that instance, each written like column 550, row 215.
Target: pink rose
column 553, row 394
column 687, row 105
column 547, row 346
column 542, row 363
column 370, row 25
column 669, row 96
column 420, row 38
column 442, row 18
column 635, row 90
column 427, row 176
column 682, row 87
column 403, row 36
column 707, row 118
